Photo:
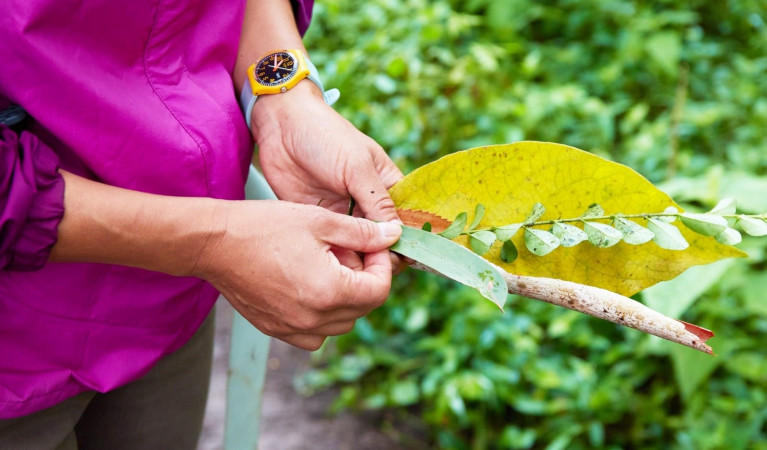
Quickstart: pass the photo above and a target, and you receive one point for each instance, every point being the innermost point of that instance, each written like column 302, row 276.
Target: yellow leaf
column 509, row 179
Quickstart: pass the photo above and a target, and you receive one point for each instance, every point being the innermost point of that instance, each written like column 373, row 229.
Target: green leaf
column 729, row 237
column 674, row 297
column 705, row 224
column 481, row 241
column 479, row 212
column 752, row 226
column 540, row 242
column 601, row 235
column 456, row 228
column 453, row 261
column 506, row 232
column 426, row 226
column 667, row 236
column 633, row 233
column 568, row 235
column 594, row 210
column 538, row 211
column 671, row 218
column 509, row 251
column 725, row 207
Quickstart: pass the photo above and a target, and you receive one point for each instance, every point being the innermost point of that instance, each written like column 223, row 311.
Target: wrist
column 278, row 73
column 271, row 110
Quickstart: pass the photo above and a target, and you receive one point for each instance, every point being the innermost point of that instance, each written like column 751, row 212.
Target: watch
column 277, row 72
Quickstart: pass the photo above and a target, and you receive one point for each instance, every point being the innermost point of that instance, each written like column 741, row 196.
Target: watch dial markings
column 275, row 69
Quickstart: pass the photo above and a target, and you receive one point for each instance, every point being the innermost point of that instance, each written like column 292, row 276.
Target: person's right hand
column 292, row 270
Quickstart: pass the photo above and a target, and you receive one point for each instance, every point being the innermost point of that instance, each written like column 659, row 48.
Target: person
column 122, row 219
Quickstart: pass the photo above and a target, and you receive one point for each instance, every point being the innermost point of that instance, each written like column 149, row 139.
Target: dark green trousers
column 162, row 410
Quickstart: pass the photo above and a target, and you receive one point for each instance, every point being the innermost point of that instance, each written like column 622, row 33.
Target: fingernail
column 389, row 229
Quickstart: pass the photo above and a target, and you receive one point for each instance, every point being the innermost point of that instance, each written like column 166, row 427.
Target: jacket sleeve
column 31, row 201
column 302, row 10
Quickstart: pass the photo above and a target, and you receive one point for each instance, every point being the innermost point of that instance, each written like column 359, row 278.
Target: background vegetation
column 676, row 90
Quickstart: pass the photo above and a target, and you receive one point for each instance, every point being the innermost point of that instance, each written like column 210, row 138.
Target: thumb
column 359, row 235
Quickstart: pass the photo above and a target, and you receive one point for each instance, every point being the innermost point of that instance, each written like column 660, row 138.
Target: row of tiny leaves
column 659, row 229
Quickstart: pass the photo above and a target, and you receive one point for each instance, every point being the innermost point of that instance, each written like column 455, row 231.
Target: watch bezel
column 281, row 81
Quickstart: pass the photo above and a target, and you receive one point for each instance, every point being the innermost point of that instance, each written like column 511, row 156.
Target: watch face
column 276, row 68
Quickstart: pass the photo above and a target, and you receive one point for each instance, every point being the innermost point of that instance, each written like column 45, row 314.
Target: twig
column 605, row 305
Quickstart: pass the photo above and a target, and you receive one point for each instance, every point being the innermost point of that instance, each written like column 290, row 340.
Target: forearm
column 106, row 224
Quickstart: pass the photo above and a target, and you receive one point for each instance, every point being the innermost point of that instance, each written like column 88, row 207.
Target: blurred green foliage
column 676, row 90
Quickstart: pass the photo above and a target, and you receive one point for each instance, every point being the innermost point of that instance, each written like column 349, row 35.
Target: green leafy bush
column 676, row 90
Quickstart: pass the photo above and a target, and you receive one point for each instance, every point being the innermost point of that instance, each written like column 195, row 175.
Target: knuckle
column 308, row 322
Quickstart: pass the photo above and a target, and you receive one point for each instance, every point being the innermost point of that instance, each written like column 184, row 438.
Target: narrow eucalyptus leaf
column 454, row 261
column 753, row 226
column 602, row 235
column 509, row 252
column 538, row 211
column 725, row 207
column 668, row 219
column 506, row 232
column 705, row 224
column 479, row 212
column 426, row 227
column 729, row 237
column 481, row 241
column 568, row 235
column 456, row 228
column 594, row 210
column 633, row 233
column 540, row 242
column 666, row 235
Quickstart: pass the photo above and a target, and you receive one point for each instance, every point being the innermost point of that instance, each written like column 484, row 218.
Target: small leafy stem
column 715, row 223
column 613, row 216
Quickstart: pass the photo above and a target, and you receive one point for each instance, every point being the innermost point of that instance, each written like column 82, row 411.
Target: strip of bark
column 605, row 305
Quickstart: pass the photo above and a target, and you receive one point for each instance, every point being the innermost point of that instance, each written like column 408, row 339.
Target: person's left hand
column 310, row 154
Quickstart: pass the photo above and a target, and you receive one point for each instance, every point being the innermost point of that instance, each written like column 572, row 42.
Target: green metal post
column 248, row 355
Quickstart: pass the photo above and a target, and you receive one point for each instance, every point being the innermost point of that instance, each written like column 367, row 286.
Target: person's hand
column 293, row 270
column 312, row 155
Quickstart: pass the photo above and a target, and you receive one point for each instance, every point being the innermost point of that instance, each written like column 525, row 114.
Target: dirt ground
column 289, row 421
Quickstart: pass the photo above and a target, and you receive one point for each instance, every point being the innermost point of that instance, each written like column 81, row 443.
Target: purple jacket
column 136, row 94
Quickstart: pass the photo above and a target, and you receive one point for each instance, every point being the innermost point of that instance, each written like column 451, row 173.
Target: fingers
column 359, row 235
column 368, row 184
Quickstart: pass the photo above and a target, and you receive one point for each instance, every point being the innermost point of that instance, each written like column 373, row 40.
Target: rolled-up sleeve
column 31, row 201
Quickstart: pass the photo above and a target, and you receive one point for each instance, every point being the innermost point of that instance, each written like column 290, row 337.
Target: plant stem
column 613, row 216
column 604, row 304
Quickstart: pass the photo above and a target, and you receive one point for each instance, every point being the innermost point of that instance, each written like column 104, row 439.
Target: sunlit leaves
column 725, row 206
column 538, row 211
column 456, row 228
column 753, row 226
column 667, row 236
column 569, row 235
column 729, row 236
column 481, row 241
column 562, row 232
column 633, row 233
column 540, row 242
column 506, row 232
column 572, row 187
column 479, row 212
column 705, row 224
column 601, row 235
